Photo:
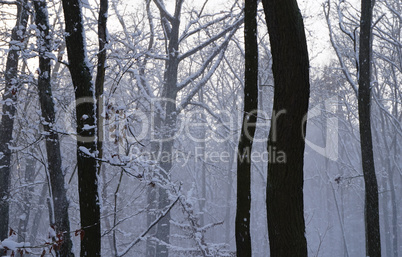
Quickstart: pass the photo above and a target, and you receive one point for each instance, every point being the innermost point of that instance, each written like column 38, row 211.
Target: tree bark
column 8, row 112
column 100, row 76
column 371, row 209
column 286, row 225
column 243, row 205
column 168, row 125
column 57, row 184
column 86, row 133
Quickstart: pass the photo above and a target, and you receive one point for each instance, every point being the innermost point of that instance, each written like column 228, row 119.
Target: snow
column 88, row 127
column 85, row 151
column 51, row 232
column 11, row 244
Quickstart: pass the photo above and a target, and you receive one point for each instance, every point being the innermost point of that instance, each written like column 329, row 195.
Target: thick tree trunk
column 371, row 209
column 243, row 205
column 8, row 111
column 86, row 133
column 285, row 209
column 58, row 189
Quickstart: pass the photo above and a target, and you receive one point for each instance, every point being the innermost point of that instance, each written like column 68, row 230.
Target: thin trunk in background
column 56, row 175
column 285, row 207
column 100, row 76
column 29, row 178
column 243, row 205
column 8, row 112
column 86, row 129
column 371, row 209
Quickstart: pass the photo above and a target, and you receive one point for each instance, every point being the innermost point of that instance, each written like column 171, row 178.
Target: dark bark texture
column 58, row 189
column 86, row 133
column 8, row 112
column 100, row 75
column 371, row 209
column 243, row 206
column 286, row 225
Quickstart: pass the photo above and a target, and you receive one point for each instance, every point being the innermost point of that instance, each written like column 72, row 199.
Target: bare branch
column 211, row 40
column 163, row 11
column 139, row 238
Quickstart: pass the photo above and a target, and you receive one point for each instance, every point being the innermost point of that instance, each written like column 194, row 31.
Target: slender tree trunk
column 243, row 203
column 100, row 76
column 371, row 209
column 86, row 133
column 8, row 111
column 29, row 178
column 57, row 184
column 285, row 209
column 229, row 193
column 38, row 215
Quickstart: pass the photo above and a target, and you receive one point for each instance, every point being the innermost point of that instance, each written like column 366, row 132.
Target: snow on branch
column 204, row 80
column 163, row 10
column 233, row 27
column 345, row 70
column 10, row 2
column 188, row 33
column 218, row 50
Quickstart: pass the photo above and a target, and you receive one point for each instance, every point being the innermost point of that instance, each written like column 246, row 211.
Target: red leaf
column 82, row 234
column 12, row 232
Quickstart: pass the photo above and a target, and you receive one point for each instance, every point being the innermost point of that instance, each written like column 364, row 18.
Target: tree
column 166, row 117
column 243, row 206
column 8, row 111
column 285, row 209
column 371, row 209
column 58, row 190
column 362, row 59
column 86, row 132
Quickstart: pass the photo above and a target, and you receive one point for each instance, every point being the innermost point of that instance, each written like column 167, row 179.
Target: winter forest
column 181, row 128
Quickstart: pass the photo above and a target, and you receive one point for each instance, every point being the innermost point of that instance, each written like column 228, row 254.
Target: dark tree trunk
column 100, row 76
column 371, row 209
column 242, row 223
column 8, row 111
column 168, row 125
column 286, row 225
column 58, row 189
column 86, row 133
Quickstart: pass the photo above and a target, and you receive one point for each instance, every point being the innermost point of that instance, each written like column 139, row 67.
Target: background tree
column 10, row 94
column 361, row 58
column 60, row 204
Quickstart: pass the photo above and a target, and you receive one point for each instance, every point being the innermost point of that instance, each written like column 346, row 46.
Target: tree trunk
column 243, row 205
column 168, row 124
column 100, row 76
column 57, row 184
column 371, row 209
column 8, row 111
column 286, row 225
column 29, row 178
column 86, row 133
